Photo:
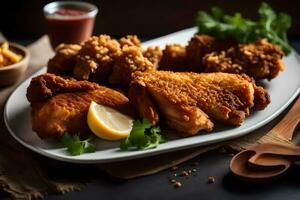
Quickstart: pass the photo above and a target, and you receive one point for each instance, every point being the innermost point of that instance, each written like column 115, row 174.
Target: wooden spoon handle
column 286, row 127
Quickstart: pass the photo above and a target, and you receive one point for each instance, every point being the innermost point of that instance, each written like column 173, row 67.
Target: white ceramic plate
column 282, row 89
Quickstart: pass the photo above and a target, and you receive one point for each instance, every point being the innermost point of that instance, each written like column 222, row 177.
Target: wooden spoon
column 253, row 172
column 264, row 161
column 269, row 160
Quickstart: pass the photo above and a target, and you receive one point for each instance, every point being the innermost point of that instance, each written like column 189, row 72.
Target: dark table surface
column 215, row 164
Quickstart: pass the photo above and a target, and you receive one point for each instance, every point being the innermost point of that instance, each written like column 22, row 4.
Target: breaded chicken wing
column 174, row 59
column 259, row 60
column 48, row 85
column 130, row 40
column 101, row 57
column 60, row 105
column 64, row 60
column 190, row 102
column 131, row 60
column 154, row 55
column 97, row 56
column 200, row 45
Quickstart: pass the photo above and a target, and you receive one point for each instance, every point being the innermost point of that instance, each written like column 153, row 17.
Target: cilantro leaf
column 75, row 146
column 142, row 136
column 270, row 25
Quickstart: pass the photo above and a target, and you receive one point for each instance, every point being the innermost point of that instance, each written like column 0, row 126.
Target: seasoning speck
column 210, row 179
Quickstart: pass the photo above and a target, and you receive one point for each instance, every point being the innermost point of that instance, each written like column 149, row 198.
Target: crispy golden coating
column 131, row 60
column 47, row 85
column 95, row 59
column 64, row 60
column 174, row 59
column 141, row 98
column 63, row 104
column 189, row 102
column 130, row 40
column 200, row 45
column 259, row 60
column 96, row 56
column 154, row 55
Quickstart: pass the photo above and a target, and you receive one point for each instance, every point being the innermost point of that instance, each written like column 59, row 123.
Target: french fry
column 7, row 56
column 11, row 55
column 5, row 46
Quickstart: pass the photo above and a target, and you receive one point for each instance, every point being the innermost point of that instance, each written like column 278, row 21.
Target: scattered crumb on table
column 210, row 179
column 177, row 184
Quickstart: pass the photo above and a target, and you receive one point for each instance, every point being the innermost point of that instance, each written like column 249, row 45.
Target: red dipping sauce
column 69, row 22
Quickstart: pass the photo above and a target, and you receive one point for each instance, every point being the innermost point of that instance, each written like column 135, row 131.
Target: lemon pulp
column 108, row 123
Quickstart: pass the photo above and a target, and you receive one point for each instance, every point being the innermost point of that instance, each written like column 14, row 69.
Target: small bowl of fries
column 14, row 61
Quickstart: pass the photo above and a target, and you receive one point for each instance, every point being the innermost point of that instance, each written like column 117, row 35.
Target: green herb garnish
column 269, row 25
column 75, row 146
column 142, row 136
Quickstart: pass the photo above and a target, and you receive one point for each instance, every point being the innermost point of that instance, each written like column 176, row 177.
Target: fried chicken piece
column 97, row 57
column 200, row 45
column 64, row 60
column 144, row 103
column 130, row 40
column 259, row 60
column 174, row 58
column 60, row 105
column 190, row 102
column 154, row 55
column 131, row 60
column 47, row 85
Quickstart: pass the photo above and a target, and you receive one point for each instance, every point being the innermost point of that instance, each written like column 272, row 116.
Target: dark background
column 23, row 19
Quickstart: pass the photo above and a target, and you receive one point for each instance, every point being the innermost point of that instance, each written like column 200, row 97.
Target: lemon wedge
column 108, row 123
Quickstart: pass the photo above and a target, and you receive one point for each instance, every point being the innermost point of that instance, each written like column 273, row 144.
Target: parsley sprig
column 270, row 25
column 75, row 146
column 142, row 136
